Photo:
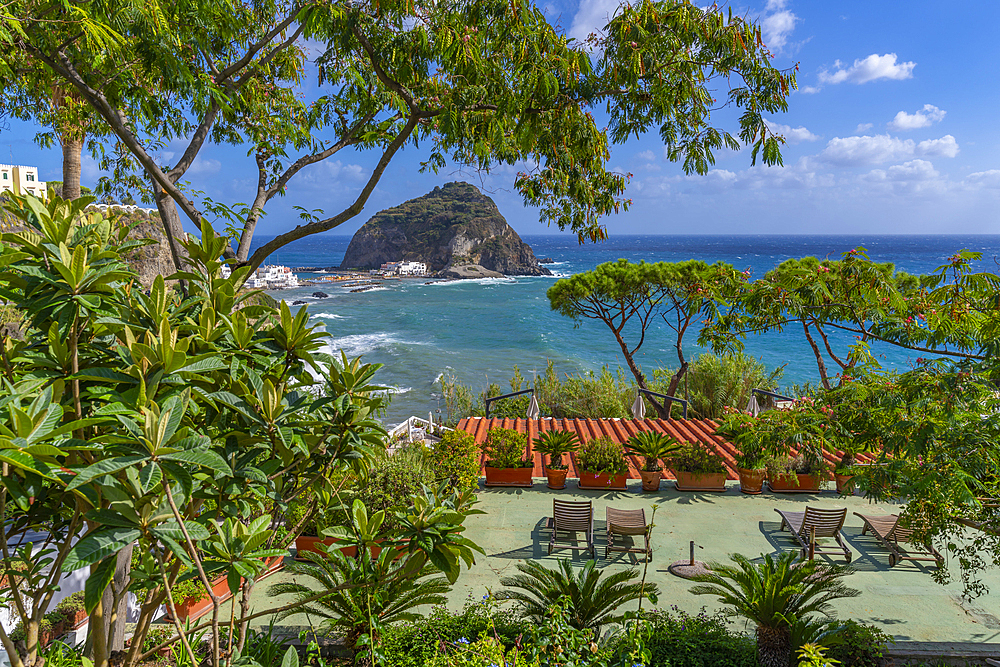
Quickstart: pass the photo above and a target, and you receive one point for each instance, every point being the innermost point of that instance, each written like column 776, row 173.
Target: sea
column 478, row 330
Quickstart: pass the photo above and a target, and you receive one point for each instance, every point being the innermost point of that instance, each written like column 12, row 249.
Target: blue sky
column 893, row 130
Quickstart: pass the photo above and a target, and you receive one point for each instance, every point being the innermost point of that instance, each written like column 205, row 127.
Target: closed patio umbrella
column 534, row 412
column 639, row 406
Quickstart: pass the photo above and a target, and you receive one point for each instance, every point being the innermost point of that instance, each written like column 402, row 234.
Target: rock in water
column 320, row 295
column 450, row 229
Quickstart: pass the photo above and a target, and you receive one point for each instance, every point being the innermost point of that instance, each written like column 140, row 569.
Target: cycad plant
column 593, row 601
column 776, row 595
column 365, row 595
column 653, row 447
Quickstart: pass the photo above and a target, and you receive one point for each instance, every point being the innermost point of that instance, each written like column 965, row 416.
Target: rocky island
column 455, row 229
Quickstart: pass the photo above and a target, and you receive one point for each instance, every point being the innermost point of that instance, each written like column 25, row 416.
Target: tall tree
column 629, row 299
column 948, row 313
column 477, row 85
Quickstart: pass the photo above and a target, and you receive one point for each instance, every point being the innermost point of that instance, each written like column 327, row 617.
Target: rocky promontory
column 455, row 229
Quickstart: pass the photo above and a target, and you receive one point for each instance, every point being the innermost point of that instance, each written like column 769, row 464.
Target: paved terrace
column 903, row 600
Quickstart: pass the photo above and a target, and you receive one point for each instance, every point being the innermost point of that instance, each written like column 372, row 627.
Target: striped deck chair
column 628, row 522
column 889, row 533
column 816, row 523
column 572, row 517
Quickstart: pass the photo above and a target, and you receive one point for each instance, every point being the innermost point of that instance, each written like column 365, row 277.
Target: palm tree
column 380, row 592
column 775, row 595
column 592, row 602
column 555, row 444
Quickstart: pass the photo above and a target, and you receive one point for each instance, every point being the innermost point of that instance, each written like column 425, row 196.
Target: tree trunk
column 823, row 375
column 173, row 228
column 773, row 647
column 119, row 600
column 72, row 149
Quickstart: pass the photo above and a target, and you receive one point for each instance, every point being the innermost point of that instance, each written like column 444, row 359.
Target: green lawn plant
column 653, row 447
column 505, row 448
column 182, row 419
column 555, row 445
column 774, row 594
column 602, row 455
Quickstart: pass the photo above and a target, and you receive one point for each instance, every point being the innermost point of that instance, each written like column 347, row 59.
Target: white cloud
column 914, row 170
column 872, row 68
column 810, row 90
column 202, row 166
column 793, row 135
column 921, row 118
column 986, row 179
column 946, row 146
column 349, row 172
column 881, row 148
column 862, row 127
column 649, row 156
column 592, row 16
column 777, row 26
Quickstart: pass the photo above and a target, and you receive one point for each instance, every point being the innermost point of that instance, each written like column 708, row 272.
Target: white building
column 22, row 180
column 404, row 268
column 267, row 277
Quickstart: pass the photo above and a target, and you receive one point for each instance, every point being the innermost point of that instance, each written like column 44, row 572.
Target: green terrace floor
column 904, row 601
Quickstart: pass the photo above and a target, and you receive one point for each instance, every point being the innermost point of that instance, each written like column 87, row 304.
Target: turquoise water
column 479, row 329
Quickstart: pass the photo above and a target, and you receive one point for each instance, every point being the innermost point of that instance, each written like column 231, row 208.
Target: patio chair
column 572, row 517
column 889, row 533
column 813, row 523
column 628, row 522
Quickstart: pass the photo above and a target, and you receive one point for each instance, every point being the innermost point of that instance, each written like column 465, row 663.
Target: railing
column 511, row 395
column 416, row 426
column 684, row 404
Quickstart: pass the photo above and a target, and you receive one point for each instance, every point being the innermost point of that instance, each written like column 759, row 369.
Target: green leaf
column 98, row 546
column 205, row 458
column 171, row 529
column 291, row 658
column 105, row 467
column 97, row 582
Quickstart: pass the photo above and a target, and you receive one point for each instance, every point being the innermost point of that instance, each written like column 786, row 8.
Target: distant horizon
column 721, row 234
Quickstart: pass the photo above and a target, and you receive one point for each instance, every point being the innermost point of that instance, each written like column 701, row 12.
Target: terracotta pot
column 304, row 543
column 76, row 619
column 845, row 483
column 807, row 484
column 651, row 480
column 556, row 477
column 602, row 480
column 751, row 481
column 191, row 609
column 508, row 476
column 699, row 481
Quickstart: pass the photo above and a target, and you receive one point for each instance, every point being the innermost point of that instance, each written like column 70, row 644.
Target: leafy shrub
column 861, row 646
column 487, row 651
column 71, row 603
column 714, row 383
column 390, row 483
column 415, row 644
column 505, row 448
column 786, row 468
column 157, row 635
column 695, row 457
column 456, row 459
column 680, row 639
column 602, row 455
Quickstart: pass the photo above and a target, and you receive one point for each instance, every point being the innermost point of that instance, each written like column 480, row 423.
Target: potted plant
column 602, row 465
column 555, row 444
column 74, row 614
column 750, row 467
column 800, row 474
column 653, row 447
column 696, row 468
column 843, row 473
column 507, row 464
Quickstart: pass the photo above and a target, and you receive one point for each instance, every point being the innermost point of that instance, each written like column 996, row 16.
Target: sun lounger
column 628, row 522
column 572, row 517
column 814, row 523
column 889, row 533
